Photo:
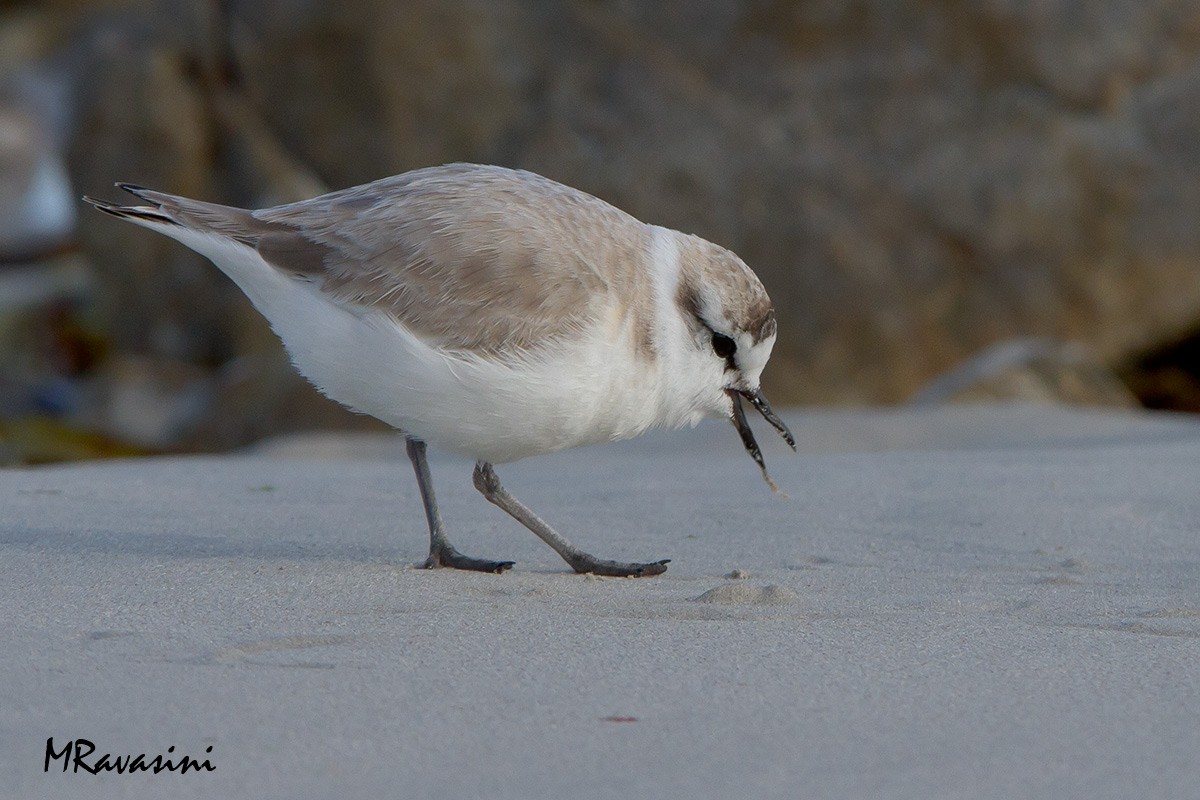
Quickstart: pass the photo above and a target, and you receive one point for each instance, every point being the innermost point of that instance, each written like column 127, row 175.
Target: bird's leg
column 488, row 483
column 441, row 552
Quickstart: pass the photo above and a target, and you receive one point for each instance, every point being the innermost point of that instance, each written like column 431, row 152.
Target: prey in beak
column 738, row 419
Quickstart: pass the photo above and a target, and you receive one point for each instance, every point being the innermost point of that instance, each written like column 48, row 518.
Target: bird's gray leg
column 441, row 552
column 488, row 483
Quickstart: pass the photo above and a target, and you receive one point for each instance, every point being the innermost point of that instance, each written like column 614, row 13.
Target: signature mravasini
column 77, row 754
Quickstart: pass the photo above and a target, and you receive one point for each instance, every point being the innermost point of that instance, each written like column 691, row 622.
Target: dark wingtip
column 105, row 206
column 140, row 192
column 130, row 212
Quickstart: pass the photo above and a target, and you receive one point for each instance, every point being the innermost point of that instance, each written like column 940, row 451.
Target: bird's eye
column 723, row 346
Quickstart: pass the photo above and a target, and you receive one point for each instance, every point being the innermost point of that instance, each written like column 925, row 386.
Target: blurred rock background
column 947, row 199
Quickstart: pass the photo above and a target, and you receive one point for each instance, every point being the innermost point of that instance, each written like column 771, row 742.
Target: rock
column 914, row 182
column 50, row 280
column 361, row 90
column 267, row 173
column 1167, row 376
column 151, row 403
column 42, row 440
column 1031, row 371
column 37, row 208
column 142, row 116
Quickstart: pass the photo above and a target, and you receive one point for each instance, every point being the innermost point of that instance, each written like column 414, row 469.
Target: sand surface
column 983, row 603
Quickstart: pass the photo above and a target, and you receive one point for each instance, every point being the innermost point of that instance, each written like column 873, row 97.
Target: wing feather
column 474, row 258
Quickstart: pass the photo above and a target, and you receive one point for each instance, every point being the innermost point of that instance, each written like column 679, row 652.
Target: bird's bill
column 738, row 418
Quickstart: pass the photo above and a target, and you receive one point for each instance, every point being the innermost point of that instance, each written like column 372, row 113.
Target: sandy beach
column 966, row 602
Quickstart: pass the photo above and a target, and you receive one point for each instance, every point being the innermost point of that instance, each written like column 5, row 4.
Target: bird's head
column 731, row 322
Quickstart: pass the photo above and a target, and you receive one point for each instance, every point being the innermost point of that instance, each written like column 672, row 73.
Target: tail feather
column 236, row 223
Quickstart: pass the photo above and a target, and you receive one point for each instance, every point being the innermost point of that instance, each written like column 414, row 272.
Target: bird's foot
column 448, row 557
column 618, row 569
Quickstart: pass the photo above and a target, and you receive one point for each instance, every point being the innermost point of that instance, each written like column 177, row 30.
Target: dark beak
column 743, row 427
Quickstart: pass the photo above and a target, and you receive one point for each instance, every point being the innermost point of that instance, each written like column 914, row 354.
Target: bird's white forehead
column 753, row 357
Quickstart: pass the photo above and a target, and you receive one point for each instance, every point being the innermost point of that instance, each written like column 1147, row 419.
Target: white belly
column 582, row 394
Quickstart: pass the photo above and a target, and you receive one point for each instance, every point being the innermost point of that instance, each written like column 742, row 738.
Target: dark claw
column 451, row 558
column 617, row 569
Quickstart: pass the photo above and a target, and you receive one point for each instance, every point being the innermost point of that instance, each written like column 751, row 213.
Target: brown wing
column 475, row 258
